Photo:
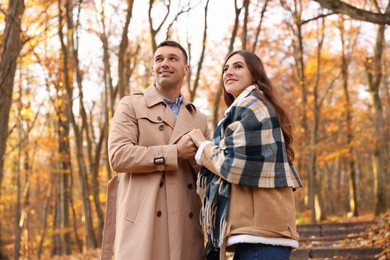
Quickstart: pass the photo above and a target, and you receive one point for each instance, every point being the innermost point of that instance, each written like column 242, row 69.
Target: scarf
column 216, row 198
column 251, row 149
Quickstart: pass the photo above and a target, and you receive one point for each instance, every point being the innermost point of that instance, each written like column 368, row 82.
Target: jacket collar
column 240, row 97
column 153, row 97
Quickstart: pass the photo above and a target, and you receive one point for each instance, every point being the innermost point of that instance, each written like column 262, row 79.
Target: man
column 152, row 205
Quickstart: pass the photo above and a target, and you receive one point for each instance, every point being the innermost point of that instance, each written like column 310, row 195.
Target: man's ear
column 186, row 69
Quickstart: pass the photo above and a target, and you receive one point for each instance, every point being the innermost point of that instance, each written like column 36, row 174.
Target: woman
column 248, row 179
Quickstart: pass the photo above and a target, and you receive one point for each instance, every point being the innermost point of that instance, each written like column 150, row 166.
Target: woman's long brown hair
column 255, row 66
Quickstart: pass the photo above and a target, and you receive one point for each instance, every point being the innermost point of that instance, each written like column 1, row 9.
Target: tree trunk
column 244, row 34
column 68, row 52
column 63, row 193
column 123, row 81
column 11, row 48
column 201, row 58
column 47, row 209
column 345, row 58
column 374, row 75
column 18, row 206
column 317, row 103
column 108, row 95
column 296, row 28
column 258, row 30
column 153, row 32
column 231, row 45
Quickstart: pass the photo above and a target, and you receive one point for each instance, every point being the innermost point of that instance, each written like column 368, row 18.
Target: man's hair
column 177, row 45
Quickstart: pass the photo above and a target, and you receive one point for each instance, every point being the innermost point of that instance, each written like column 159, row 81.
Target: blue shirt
column 175, row 106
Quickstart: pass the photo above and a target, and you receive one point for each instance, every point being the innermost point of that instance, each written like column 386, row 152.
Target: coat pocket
column 137, row 198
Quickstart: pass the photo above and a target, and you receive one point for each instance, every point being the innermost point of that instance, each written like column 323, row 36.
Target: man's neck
column 171, row 93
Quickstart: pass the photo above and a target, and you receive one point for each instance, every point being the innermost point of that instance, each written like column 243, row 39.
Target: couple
column 159, row 144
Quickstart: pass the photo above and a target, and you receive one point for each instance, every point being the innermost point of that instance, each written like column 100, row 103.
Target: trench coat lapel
column 169, row 118
column 153, row 99
column 184, row 122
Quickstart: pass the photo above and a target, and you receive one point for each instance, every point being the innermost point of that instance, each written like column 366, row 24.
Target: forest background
column 65, row 64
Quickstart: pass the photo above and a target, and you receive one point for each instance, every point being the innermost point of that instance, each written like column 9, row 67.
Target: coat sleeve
column 125, row 155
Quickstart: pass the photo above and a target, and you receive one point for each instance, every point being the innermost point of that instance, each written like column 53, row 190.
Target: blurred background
column 65, row 64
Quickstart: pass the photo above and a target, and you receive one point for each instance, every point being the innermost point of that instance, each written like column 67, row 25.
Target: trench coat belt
column 110, row 219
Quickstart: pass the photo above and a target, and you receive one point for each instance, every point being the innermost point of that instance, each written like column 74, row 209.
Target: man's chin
column 166, row 82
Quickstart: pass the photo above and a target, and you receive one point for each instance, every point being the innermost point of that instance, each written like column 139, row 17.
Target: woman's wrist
column 201, row 147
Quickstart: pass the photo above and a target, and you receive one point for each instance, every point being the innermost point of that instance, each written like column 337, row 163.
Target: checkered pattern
column 250, row 151
column 250, row 148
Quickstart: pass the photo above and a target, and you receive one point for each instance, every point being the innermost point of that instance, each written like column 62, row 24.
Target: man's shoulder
column 133, row 99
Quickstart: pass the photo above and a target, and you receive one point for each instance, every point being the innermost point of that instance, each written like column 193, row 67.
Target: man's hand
column 197, row 137
column 186, row 148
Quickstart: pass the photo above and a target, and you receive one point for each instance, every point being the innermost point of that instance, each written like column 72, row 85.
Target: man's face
column 169, row 67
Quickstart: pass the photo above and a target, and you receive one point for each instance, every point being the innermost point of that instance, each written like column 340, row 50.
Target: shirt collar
column 171, row 102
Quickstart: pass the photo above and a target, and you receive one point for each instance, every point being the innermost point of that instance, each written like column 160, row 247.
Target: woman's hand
column 197, row 137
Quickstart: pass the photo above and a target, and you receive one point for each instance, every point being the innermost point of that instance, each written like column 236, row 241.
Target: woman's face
column 236, row 75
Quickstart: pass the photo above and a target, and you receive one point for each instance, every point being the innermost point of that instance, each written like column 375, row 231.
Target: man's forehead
column 167, row 50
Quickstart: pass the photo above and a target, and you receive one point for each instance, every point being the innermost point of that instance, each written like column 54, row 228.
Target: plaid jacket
column 249, row 150
column 250, row 147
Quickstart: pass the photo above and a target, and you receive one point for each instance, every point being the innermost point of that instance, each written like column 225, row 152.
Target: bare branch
column 340, row 7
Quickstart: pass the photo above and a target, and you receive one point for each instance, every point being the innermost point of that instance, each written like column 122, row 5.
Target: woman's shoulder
column 256, row 102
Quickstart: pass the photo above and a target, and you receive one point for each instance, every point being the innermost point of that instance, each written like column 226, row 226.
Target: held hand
column 197, row 137
column 186, row 148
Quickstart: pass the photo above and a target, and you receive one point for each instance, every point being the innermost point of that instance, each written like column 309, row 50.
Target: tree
column 194, row 87
column 12, row 46
column 123, row 58
column 71, row 68
column 341, row 7
column 237, row 11
column 296, row 26
column 374, row 76
column 346, row 52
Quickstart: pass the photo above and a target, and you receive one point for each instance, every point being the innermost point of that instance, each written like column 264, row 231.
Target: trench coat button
column 158, row 213
column 159, row 118
column 161, row 128
column 191, row 215
column 189, row 186
column 161, row 184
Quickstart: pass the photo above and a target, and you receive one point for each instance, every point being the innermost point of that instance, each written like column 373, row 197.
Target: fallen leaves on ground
column 376, row 235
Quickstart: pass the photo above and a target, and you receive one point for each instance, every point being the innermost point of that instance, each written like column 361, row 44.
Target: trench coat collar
column 184, row 121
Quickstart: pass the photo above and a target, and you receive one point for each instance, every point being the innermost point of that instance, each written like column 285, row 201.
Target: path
column 324, row 241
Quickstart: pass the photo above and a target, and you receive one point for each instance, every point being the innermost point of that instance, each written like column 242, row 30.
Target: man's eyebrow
column 173, row 55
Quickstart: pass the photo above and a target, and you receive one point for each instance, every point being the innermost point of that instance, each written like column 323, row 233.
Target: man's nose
column 164, row 62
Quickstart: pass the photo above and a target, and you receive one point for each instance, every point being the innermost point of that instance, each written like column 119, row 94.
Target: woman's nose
column 228, row 71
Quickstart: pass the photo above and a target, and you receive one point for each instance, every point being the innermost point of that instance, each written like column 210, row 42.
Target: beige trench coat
column 152, row 205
